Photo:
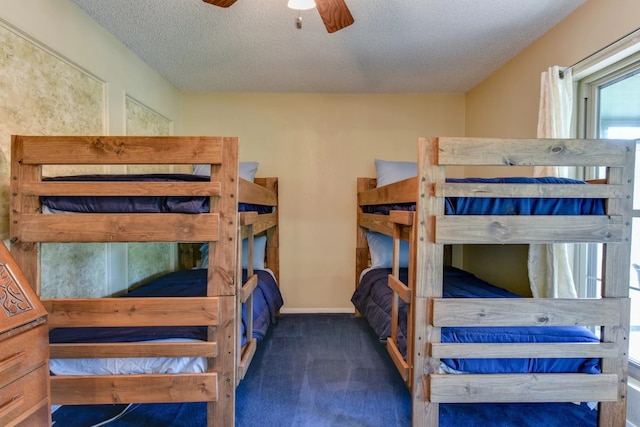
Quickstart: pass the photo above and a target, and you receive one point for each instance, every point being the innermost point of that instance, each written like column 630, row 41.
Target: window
column 609, row 107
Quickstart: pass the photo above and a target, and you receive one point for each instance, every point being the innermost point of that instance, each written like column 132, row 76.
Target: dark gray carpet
column 322, row 370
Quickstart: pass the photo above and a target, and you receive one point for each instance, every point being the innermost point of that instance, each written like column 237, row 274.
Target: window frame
column 587, row 84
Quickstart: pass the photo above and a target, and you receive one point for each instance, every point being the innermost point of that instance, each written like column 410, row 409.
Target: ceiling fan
column 334, row 13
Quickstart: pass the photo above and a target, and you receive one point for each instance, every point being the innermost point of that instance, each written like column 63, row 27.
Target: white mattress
column 130, row 365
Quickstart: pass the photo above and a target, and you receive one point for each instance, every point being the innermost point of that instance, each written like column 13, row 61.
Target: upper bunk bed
column 219, row 224
column 421, row 214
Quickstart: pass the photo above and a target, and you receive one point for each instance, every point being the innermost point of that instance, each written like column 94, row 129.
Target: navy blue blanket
column 142, row 204
column 184, row 283
column 373, row 299
column 507, row 205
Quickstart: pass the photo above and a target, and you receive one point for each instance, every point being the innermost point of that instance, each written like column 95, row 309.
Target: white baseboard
column 316, row 310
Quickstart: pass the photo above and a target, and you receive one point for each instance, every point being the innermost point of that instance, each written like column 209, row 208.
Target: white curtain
column 549, row 269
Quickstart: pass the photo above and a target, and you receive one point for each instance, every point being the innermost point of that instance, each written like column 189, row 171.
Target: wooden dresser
column 24, row 350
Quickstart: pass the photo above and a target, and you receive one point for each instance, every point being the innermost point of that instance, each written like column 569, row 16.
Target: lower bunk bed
column 182, row 283
column 373, row 299
column 456, row 340
column 267, row 301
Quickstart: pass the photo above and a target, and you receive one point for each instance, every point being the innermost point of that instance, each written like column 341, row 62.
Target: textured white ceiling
column 394, row 46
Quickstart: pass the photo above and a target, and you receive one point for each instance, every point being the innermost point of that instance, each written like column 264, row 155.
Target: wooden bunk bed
column 220, row 225
column 428, row 231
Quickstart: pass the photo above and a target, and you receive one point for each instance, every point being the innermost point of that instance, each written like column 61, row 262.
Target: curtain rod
column 627, row 41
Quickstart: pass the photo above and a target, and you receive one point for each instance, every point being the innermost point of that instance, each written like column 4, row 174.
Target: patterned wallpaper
column 44, row 94
column 41, row 94
column 141, row 120
column 147, row 260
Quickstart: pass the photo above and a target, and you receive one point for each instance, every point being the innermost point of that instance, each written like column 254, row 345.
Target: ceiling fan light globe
column 301, row 4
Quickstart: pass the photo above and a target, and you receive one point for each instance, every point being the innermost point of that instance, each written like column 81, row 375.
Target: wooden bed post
column 615, row 276
column 429, row 275
column 273, row 234
column 221, row 283
column 26, row 254
column 362, row 248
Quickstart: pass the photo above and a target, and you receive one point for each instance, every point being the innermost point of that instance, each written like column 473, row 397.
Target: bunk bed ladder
column 400, row 291
column 245, row 295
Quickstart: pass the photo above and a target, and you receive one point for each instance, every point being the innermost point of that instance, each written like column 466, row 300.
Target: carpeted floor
column 323, row 370
column 326, row 370
column 331, row 370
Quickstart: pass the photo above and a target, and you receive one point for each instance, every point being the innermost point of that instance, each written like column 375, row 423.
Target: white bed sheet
column 130, row 365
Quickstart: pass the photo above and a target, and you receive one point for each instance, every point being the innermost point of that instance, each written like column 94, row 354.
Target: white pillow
column 259, row 248
column 388, row 172
column 246, row 170
column 381, row 249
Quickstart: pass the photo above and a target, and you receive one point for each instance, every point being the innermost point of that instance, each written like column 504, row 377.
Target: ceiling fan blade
column 221, row 3
column 335, row 14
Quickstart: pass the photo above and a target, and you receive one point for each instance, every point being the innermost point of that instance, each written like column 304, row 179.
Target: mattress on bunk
column 141, row 204
column 508, row 205
column 373, row 299
column 267, row 302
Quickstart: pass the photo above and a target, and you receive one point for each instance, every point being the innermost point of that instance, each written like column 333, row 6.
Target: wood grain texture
column 120, row 312
column 335, row 14
column 217, row 310
column 119, row 150
column 470, row 388
column 146, row 388
column 118, row 227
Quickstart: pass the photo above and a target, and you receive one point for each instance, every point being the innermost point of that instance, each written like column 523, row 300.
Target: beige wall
column 317, row 145
column 506, row 103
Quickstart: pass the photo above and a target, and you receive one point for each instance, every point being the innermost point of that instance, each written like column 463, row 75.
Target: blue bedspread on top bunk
column 183, row 283
column 142, row 204
column 373, row 299
column 508, row 206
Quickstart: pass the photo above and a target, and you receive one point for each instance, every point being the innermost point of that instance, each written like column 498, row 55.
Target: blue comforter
column 183, row 283
column 142, row 204
column 507, row 205
column 373, row 299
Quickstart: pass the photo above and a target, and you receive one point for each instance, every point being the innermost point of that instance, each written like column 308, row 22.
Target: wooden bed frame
column 428, row 230
column 221, row 227
column 262, row 191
